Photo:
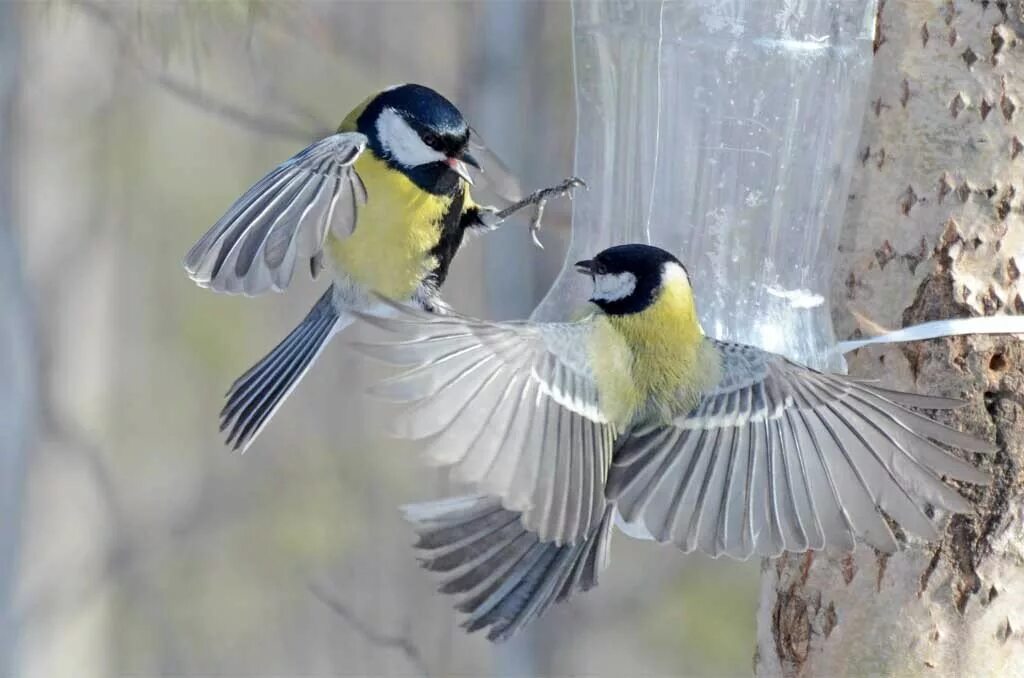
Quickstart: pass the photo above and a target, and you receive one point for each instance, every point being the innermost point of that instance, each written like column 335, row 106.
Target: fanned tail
column 256, row 395
column 502, row 574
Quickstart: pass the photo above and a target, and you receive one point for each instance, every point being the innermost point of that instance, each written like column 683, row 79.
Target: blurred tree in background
column 17, row 359
column 148, row 548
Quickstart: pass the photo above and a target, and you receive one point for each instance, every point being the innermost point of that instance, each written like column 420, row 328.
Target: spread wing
column 511, row 407
column 780, row 457
column 254, row 246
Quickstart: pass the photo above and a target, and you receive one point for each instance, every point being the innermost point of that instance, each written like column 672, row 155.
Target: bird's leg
column 542, row 196
column 540, row 199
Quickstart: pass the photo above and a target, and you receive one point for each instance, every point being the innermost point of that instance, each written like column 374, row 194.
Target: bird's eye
column 430, row 139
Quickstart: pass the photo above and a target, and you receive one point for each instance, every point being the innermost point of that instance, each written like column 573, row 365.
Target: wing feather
column 512, row 408
column 780, row 457
column 787, row 493
column 483, row 446
column 513, row 456
column 254, row 246
column 844, row 477
column 837, row 528
column 712, row 492
column 800, row 478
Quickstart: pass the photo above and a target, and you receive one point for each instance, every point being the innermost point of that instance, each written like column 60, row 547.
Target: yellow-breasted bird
column 632, row 410
column 384, row 201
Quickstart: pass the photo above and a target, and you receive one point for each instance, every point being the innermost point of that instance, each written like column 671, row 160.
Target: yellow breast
column 657, row 359
column 400, row 224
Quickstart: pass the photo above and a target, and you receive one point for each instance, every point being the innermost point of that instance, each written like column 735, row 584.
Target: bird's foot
column 540, row 199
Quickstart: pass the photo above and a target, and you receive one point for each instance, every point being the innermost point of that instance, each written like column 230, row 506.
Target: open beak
column 459, row 167
column 586, row 267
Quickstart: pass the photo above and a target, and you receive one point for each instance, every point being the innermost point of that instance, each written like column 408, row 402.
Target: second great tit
column 632, row 411
column 384, row 202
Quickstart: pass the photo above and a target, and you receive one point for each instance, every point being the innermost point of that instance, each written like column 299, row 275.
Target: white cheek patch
column 402, row 142
column 613, row 286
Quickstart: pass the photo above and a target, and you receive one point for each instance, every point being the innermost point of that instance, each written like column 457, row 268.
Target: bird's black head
column 628, row 278
column 419, row 133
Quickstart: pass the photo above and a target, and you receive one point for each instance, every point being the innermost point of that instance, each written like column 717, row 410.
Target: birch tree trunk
column 934, row 230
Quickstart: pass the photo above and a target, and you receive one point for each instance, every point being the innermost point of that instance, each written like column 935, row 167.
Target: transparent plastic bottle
column 726, row 132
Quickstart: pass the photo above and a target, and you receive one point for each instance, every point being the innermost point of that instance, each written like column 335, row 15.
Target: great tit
column 385, row 202
column 708, row 445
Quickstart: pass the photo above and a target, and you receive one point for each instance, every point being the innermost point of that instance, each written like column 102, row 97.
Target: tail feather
column 255, row 396
column 502, row 574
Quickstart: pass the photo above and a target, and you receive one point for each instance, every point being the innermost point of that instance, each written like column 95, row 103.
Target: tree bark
column 933, row 230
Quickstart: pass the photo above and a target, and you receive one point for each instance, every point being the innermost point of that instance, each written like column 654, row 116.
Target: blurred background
column 131, row 541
